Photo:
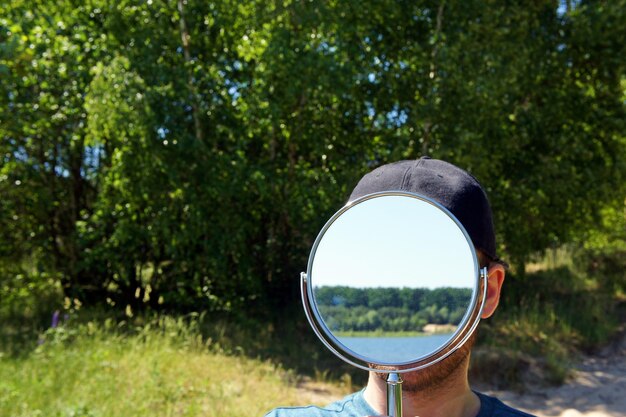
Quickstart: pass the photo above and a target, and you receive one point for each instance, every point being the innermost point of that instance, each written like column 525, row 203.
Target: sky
column 394, row 241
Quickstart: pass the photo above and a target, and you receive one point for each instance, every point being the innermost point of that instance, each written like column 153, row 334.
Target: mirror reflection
column 393, row 277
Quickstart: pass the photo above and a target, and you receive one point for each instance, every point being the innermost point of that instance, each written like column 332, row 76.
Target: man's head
column 450, row 186
column 461, row 194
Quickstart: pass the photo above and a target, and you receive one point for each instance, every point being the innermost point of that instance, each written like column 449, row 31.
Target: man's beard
column 435, row 376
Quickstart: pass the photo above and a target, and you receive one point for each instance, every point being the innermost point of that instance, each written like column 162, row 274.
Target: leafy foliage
column 183, row 155
column 348, row 309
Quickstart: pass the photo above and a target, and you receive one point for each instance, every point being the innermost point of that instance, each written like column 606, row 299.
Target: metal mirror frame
column 461, row 335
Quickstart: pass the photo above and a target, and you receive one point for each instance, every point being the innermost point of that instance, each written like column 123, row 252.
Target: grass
column 161, row 369
column 164, row 366
column 546, row 319
column 94, row 365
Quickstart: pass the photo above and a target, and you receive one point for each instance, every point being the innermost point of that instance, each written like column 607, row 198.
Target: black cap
column 455, row 189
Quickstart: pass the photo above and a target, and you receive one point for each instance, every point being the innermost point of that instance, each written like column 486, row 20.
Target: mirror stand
column 394, row 395
column 371, row 252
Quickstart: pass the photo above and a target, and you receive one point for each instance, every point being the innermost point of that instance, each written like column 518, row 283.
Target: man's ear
column 495, row 280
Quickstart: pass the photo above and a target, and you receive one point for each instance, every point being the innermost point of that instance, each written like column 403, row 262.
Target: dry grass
column 162, row 371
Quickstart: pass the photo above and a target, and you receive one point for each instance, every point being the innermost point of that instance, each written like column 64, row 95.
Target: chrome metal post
column 394, row 395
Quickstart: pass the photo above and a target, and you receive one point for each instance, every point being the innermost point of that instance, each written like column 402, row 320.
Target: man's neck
column 453, row 398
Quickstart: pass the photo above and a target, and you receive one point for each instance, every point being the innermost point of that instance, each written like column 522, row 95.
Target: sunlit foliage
column 183, row 154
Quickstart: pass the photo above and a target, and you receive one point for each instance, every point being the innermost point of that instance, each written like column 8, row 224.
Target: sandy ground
column 597, row 388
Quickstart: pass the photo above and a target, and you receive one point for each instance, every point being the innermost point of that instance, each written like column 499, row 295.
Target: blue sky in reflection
column 394, row 241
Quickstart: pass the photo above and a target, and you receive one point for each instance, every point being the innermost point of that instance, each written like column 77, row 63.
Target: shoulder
column 493, row 407
column 353, row 405
column 309, row 411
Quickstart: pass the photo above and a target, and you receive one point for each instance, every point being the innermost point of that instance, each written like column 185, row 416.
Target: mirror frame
column 464, row 330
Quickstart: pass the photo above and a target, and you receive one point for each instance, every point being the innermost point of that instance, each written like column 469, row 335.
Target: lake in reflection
column 395, row 349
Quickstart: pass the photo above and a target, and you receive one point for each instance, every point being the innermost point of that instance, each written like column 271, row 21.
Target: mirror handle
column 394, row 395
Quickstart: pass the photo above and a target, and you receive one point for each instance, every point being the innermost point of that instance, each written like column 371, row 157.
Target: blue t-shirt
column 354, row 405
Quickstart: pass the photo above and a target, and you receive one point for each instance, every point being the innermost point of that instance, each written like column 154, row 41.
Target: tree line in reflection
column 349, row 309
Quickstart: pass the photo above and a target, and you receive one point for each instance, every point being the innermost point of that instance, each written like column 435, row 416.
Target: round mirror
column 393, row 282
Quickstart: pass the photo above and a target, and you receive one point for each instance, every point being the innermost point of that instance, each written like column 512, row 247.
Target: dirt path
column 596, row 389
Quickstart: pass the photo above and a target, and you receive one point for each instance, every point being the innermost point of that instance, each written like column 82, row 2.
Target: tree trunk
column 195, row 102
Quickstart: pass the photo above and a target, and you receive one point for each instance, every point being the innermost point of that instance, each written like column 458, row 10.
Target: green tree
column 183, row 154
